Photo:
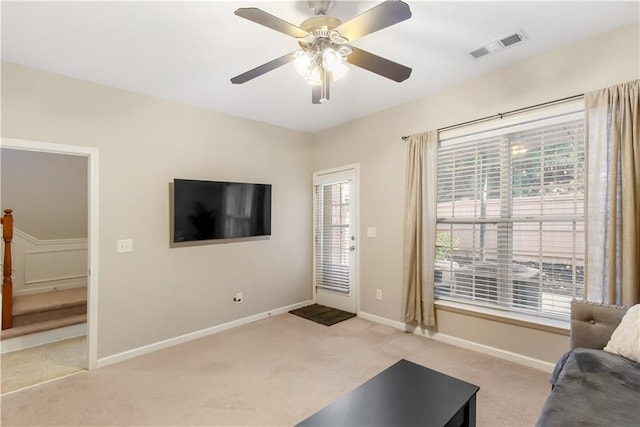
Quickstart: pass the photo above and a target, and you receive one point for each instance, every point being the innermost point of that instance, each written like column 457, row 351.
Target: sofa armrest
column 592, row 323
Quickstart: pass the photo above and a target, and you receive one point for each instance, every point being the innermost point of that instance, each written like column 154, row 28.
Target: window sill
column 561, row 327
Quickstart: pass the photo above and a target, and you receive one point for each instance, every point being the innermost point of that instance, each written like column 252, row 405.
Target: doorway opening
column 88, row 344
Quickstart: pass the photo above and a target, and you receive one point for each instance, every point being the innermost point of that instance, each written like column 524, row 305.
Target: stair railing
column 7, row 283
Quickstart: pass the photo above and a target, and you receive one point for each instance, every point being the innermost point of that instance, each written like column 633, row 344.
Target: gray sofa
column 592, row 387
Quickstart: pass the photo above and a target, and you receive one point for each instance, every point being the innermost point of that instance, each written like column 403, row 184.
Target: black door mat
column 321, row 314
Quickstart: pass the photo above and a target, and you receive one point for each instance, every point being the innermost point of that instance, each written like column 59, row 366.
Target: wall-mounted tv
column 212, row 210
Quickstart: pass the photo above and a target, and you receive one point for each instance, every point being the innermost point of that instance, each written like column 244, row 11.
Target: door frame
column 91, row 154
column 355, row 199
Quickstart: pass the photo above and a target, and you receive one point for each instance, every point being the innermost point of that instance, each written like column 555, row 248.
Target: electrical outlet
column 378, row 294
column 238, row 298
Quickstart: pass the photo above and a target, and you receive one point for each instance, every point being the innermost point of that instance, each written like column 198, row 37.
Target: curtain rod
column 508, row 113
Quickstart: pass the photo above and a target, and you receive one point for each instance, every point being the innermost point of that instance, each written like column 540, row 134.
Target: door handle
column 352, row 248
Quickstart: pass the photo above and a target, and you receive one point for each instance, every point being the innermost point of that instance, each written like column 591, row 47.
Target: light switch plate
column 125, row 245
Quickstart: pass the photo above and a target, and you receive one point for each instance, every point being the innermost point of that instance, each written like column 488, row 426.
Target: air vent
column 479, row 52
column 512, row 39
column 498, row 44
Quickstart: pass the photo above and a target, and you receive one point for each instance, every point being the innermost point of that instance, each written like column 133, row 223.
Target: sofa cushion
column 593, row 388
column 625, row 340
column 593, row 323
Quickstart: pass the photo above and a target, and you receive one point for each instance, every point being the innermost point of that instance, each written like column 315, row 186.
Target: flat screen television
column 212, row 210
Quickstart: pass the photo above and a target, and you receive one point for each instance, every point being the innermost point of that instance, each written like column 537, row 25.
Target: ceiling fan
column 325, row 44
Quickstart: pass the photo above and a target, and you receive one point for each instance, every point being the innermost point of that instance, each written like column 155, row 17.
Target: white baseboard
column 466, row 344
column 448, row 339
column 382, row 320
column 119, row 357
column 41, row 338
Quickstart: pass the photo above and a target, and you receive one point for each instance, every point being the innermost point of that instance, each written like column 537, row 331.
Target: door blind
column 510, row 217
column 332, row 236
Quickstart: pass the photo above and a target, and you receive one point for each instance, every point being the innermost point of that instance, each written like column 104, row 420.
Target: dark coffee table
column 405, row 394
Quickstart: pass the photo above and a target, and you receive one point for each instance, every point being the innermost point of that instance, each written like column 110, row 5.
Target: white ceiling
column 188, row 51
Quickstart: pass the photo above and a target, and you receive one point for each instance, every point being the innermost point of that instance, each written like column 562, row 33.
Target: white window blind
column 510, row 216
column 331, row 235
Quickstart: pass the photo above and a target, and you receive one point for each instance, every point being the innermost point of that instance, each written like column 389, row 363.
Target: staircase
column 28, row 317
column 46, row 311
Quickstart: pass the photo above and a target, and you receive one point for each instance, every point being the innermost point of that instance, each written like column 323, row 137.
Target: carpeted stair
column 47, row 310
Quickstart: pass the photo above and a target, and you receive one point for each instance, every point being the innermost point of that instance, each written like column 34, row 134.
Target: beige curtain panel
column 612, row 250
column 420, row 229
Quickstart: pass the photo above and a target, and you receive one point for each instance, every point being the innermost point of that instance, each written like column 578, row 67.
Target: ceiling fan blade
column 263, row 18
column 264, row 68
column 376, row 64
column 378, row 17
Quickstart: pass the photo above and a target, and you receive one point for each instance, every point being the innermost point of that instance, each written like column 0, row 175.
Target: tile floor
column 38, row 364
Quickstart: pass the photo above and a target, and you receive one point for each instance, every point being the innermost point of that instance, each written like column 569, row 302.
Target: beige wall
column 47, row 192
column 157, row 293
column 375, row 143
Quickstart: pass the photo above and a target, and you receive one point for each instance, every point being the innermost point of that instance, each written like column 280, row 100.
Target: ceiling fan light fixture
column 331, row 59
column 339, row 71
column 336, row 38
column 308, row 66
column 315, row 76
column 312, row 63
column 334, row 61
column 308, row 39
column 344, row 51
column 303, row 63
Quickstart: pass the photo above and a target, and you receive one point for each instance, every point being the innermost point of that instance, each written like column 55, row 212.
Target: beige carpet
column 273, row 372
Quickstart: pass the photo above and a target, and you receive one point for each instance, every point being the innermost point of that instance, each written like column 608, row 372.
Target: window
column 510, row 214
column 332, row 246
